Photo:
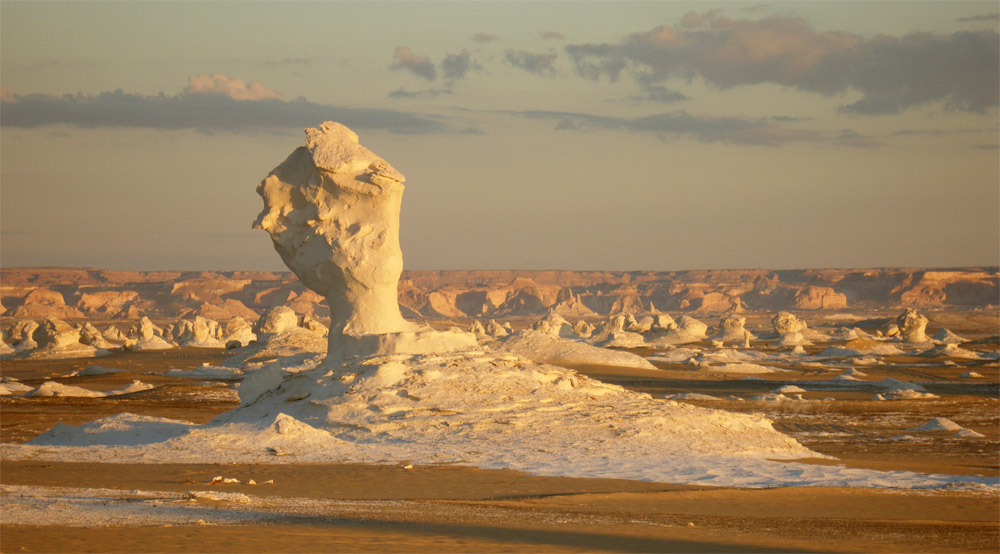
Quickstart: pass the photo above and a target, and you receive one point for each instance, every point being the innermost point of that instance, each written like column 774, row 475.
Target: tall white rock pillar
column 332, row 210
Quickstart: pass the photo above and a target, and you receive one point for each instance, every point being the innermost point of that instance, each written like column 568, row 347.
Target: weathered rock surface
column 332, row 210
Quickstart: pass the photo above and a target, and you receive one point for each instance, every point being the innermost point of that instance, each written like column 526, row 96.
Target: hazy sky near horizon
column 533, row 135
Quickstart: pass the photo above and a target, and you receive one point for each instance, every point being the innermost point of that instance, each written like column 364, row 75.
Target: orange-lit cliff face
column 34, row 293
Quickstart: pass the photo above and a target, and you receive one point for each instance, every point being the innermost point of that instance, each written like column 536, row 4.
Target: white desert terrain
column 351, row 405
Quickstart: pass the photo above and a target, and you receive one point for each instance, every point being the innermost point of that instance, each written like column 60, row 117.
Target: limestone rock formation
column 275, row 321
column 494, row 329
column 612, row 333
column 731, row 329
column 239, row 330
column 912, row 326
column 91, row 336
column 22, row 335
column 43, row 302
column 332, row 210
column 5, row 349
column 819, row 298
column 58, row 339
column 555, row 325
column 147, row 336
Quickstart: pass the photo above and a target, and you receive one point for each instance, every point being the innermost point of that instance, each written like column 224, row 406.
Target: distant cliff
column 33, row 293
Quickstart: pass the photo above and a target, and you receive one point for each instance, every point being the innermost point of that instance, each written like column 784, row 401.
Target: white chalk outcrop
column 90, row 335
column 731, row 329
column 21, row 335
column 912, row 327
column 5, row 349
column 789, row 329
column 147, row 336
column 685, row 330
column 332, row 210
column 58, row 339
column 612, row 333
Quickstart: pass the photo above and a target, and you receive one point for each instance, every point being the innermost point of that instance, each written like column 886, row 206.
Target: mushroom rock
column 332, row 210
column 912, row 326
column 789, row 329
column 731, row 329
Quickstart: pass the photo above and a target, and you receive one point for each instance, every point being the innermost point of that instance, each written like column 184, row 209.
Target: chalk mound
column 947, row 337
column 545, row 348
column 471, row 409
column 938, row 424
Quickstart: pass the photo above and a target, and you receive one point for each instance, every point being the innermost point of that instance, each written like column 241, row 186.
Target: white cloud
column 235, row 88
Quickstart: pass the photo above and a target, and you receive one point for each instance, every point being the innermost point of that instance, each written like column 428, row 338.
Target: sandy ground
column 449, row 509
column 455, row 509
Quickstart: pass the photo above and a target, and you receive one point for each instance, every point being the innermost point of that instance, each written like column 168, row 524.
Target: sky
column 533, row 135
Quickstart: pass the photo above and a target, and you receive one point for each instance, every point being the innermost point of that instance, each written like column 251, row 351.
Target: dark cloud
column 206, row 112
column 484, row 37
column 426, row 93
column 657, row 93
column 537, row 63
column 708, row 129
column 990, row 18
column 456, row 66
column 551, row 35
column 406, row 59
column 892, row 73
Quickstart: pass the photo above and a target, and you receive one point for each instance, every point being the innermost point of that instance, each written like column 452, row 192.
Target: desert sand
column 461, row 509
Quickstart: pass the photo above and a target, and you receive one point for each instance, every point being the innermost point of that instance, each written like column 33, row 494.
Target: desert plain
column 58, row 504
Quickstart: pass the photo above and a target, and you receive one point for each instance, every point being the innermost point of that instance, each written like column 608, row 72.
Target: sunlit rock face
column 912, row 326
column 332, row 210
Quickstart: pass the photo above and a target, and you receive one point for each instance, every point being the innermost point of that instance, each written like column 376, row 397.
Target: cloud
column 891, row 73
column 288, row 61
column 421, row 66
column 411, row 94
column 189, row 110
column 657, row 93
column 484, row 37
column 537, row 63
column 551, row 35
column 990, row 18
column 708, row 129
column 456, row 66
column 220, row 85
